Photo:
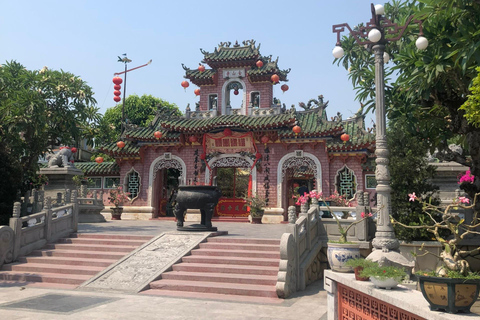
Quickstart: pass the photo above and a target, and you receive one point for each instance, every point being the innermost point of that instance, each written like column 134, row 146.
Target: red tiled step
column 237, row 253
column 78, row 254
column 242, row 240
column 48, row 268
column 110, row 236
column 87, row 247
column 232, row 260
column 239, row 246
column 215, row 287
column 225, row 268
column 221, row 277
column 71, row 261
column 72, row 279
column 101, row 242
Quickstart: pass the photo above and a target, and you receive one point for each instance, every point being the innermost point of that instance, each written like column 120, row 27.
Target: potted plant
column 117, row 197
column 338, row 252
column 256, row 206
column 358, row 264
column 386, row 277
column 452, row 286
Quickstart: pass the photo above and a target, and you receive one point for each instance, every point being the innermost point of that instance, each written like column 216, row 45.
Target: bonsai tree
column 117, row 197
column 256, row 204
column 453, row 256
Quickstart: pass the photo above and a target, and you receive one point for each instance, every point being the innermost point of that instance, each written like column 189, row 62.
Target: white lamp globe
column 338, row 52
column 379, row 9
column 421, row 43
column 374, row 35
column 386, row 57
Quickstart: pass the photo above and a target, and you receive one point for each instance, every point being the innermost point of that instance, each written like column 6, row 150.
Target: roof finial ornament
column 225, row 44
column 236, row 45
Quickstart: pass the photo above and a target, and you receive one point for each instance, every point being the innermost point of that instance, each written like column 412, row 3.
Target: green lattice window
column 133, row 184
column 346, row 182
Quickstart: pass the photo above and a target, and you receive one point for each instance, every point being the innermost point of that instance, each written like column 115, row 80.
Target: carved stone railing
column 303, row 246
column 33, row 231
column 197, row 114
column 90, row 208
column 273, row 110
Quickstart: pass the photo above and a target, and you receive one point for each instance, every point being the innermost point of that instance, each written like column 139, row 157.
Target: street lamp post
column 376, row 34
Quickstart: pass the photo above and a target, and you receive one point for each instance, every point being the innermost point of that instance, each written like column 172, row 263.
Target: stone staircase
column 70, row 261
column 224, row 267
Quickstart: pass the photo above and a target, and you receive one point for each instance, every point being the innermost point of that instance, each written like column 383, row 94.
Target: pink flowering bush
column 338, row 199
column 467, row 177
column 117, row 197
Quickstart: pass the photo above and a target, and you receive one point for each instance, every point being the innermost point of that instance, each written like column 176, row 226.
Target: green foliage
column 38, row 109
column 256, row 204
column 360, row 262
column 451, row 274
column 11, row 178
column 472, row 105
column 427, row 88
column 409, row 171
column 384, row 273
column 138, row 111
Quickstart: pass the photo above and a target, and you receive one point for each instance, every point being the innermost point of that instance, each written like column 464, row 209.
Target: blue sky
column 85, row 38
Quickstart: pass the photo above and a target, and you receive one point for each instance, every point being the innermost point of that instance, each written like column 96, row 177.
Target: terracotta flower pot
column 357, row 271
column 116, row 213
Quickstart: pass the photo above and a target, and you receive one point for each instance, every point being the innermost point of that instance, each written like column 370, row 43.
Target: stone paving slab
column 134, row 272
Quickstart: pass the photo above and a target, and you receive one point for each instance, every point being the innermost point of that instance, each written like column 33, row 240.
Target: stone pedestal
column 59, row 179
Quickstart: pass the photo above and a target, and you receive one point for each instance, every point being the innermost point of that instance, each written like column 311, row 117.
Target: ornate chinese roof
column 93, row 168
column 227, row 56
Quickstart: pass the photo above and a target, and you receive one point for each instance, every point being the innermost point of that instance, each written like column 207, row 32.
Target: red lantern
column 117, row 80
column 117, row 87
column 258, row 156
column 74, row 150
column 193, row 139
column 120, row 144
column 284, row 87
column 275, row 79
column 197, row 92
column 265, row 140
column 235, row 92
column 201, row 68
column 259, row 63
column 345, row 137
column 98, row 160
column 157, row 134
column 185, row 84
column 203, row 156
column 117, row 92
column 227, row 132
column 297, row 129
column 117, row 99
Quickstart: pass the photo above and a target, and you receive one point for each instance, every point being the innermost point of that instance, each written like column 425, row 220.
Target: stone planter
column 450, row 295
column 339, row 253
column 116, row 213
column 388, row 283
column 256, row 220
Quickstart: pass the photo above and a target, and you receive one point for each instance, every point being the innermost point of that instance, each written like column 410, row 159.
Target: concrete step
column 225, row 268
column 243, row 240
column 215, row 287
column 91, row 248
column 68, row 261
column 239, row 246
column 102, row 242
column 78, row 254
column 110, row 236
column 71, row 279
column 232, row 260
column 237, row 253
column 221, row 277
column 49, row 268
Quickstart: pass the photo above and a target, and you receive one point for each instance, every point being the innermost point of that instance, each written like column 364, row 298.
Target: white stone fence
column 31, row 232
column 302, row 247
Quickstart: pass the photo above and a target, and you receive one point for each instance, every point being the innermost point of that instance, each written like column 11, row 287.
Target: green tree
column 427, row 88
column 472, row 105
column 410, row 172
column 40, row 109
column 139, row 111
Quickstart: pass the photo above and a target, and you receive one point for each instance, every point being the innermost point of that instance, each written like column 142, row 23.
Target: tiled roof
column 232, row 121
column 266, row 71
column 93, row 168
column 312, row 125
column 206, row 77
column 131, row 149
column 235, row 56
column 359, row 138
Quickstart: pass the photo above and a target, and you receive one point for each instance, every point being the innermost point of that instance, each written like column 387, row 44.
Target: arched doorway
column 234, row 96
column 166, row 172
column 297, row 171
column 234, row 178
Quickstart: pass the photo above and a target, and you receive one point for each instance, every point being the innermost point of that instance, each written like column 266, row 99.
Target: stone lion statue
column 62, row 158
